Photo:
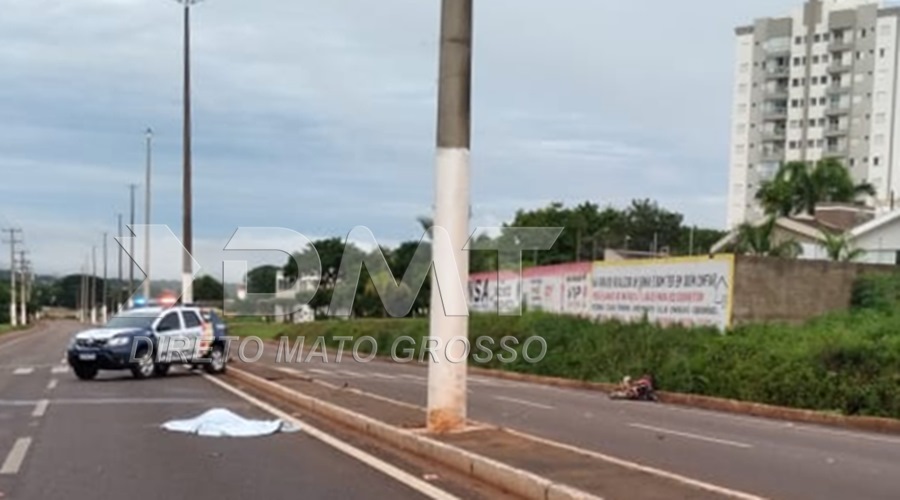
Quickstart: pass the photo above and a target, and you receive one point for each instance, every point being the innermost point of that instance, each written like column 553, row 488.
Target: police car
column 149, row 340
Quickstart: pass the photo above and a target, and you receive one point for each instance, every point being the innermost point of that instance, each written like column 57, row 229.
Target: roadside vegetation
column 847, row 363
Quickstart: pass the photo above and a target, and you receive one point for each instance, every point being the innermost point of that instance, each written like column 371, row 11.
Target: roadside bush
column 847, row 363
column 880, row 292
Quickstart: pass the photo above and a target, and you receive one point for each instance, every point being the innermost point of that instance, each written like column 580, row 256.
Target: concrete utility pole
column 119, row 281
column 130, row 291
column 447, row 379
column 23, row 289
column 13, row 241
column 147, row 214
column 103, row 308
column 187, row 295
column 80, row 298
column 93, row 280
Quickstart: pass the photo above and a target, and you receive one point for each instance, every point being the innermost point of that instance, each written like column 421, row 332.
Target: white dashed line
column 16, row 456
column 524, row 402
column 319, row 372
column 688, row 435
column 417, row 378
column 383, row 376
column 58, row 370
column 27, row 370
column 351, row 374
column 289, row 371
column 40, row 408
column 52, row 384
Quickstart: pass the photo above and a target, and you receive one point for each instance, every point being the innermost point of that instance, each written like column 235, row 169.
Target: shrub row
column 846, row 363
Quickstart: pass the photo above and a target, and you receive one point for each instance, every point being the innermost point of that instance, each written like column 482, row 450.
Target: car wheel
column 216, row 363
column 161, row 369
column 85, row 372
column 143, row 366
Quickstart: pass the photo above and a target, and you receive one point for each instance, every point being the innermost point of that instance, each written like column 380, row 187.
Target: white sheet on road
column 223, row 423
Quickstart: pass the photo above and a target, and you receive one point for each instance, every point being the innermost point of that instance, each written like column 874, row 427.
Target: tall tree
column 262, row 280
column 799, row 187
column 208, row 289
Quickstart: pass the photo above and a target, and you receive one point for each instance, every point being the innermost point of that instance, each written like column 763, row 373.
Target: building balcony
column 776, row 135
column 838, row 89
column 771, row 155
column 778, row 73
column 836, row 131
column 777, row 94
column 838, row 67
column 837, row 109
column 777, row 114
column 840, row 45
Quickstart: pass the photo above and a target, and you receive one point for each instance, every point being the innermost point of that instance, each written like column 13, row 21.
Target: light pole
column 147, row 213
column 187, row 228
column 446, row 378
column 130, row 291
column 118, row 288
column 103, row 309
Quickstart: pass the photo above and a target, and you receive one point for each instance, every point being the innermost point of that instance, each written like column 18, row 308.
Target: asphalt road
column 757, row 456
column 61, row 438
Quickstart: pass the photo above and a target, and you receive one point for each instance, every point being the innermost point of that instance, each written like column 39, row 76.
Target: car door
column 193, row 333
column 170, row 333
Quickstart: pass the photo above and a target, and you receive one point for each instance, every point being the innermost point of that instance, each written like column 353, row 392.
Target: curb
column 516, row 481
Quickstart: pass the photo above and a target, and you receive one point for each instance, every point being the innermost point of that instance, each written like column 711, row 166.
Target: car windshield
column 130, row 321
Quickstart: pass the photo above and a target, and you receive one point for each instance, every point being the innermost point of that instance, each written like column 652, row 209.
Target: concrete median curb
column 516, row 481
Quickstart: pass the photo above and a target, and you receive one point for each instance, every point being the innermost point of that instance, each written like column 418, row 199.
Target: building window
column 792, row 145
column 812, row 122
column 798, row 40
column 821, row 101
column 852, row 162
column 862, row 33
column 796, row 61
column 794, row 124
column 826, row 36
column 815, row 60
column 796, row 82
column 875, row 160
column 882, row 52
column 795, row 103
column 810, row 143
column 817, row 38
column 825, row 58
column 821, row 122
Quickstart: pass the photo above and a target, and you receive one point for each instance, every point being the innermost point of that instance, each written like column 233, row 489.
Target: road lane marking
column 351, row 374
column 721, row 490
column 40, row 408
column 524, row 402
column 289, row 371
column 688, row 435
column 25, row 370
column 16, row 456
column 319, row 372
column 59, row 370
column 385, row 468
column 418, row 378
column 52, row 384
column 383, row 376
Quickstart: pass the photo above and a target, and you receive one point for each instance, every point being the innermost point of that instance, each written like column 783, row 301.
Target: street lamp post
column 147, row 213
column 446, row 378
column 187, row 228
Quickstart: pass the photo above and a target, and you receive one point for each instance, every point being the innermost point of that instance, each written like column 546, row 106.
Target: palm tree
column 759, row 240
column 839, row 249
column 798, row 187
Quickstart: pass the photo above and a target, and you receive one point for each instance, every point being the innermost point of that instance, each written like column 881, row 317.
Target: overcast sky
column 319, row 116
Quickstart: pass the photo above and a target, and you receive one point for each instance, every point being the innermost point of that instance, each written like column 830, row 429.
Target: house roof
column 874, row 224
column 810, row 228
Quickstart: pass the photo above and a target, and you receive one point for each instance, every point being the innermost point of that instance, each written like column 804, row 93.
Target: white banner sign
column 689, row 292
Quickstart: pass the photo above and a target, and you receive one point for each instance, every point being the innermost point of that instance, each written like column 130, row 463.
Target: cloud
column 320, row 116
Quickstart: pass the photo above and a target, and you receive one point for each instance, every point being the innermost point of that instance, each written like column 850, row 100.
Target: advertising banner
column 686, row 291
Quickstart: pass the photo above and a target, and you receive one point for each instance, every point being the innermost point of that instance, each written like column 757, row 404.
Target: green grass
column 847, row 363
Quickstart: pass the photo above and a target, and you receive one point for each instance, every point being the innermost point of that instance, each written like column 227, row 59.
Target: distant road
column 61, row 438
column 763, row 457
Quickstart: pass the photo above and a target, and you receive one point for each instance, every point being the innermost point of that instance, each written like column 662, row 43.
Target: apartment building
column 821, row 82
